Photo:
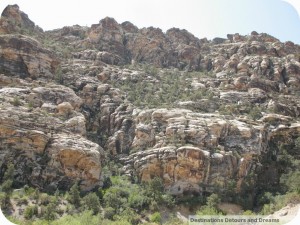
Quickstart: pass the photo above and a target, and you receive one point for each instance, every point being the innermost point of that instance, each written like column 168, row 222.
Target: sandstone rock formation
column 235, row 101
column 13, row 21
column 48, row 148
column 24, row 57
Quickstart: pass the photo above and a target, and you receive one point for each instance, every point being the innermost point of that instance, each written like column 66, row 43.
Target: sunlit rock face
column 193, row 152
column 44, row 135
column 67, row 104
column 13, row 20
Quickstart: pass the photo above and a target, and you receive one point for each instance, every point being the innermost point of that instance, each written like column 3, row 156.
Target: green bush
column 211, row 207
column 138, row 201
column 115, row 197
column 279, row 201
column 9, row 173
column 213, row 200
column 4, row 200
column 59, row 77
column 291, row 181
column 74, row 195
column 109, row 213
column 22, row 201
column 91, row 202
column 44, row 199
column 173, row 86
column 119, row 222
column 30, row 211
column 154, row 189
column 255, row 112
column 49, row 212
column 35, row 194
column 7, row 186
column 248, row 213
column 175, row 221
column 128, row 215
column 206, row 210
column 84, row 218
column 29, row 190
column 16, row 101
column 8, row 179
column 155, row 217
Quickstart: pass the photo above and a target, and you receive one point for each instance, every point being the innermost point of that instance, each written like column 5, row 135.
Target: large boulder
column 24, row 57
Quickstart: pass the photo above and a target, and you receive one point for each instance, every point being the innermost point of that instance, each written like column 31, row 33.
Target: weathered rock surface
column 47, row 147
column 24, row 57
column 244, row 104
column 13, row 20
column 186, row 149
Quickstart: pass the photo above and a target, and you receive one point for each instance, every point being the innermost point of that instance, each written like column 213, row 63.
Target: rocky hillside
column 205, row 116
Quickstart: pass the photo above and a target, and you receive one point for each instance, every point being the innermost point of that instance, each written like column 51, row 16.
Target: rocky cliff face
column 73, row 97
column 44, row 135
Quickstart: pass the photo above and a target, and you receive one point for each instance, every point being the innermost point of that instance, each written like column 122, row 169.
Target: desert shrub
column 74, row 195
column 205, row 210
column 91, row 202
column 7, row 186
column 45, row 199
column 168, row 200
column 30, row 211
column 229, row 109
column 248, row 213
column 123, row 194
column 175, row 221
column 138, row 201
column 213, row 200
column 255, row 112
column 59, row 76
column 109, row 212
column 84, row 218
column 8, row 178
column 297, row 142
column 265, row 198
column 291, row 181
column 119, row 222
column 172, row 86
column 115, row 197
column 154, row 190
column 49, row 212
column 155, row 217
column 16, row 101
column 279, row 201
column 5, row 201
column 128, row 215
column 28, row 190
column 36, row 195
column 211, row 206
column 9, row 173
column 22, row 200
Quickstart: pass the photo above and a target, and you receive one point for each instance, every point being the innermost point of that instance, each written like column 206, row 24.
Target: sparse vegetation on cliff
column 112, row 124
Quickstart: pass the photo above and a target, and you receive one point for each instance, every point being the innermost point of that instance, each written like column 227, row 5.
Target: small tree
column 91, row 202
column 49, row 212
column 213, row 200
column 211, row 207
column 155, row 188
column 6, row 186
column 30, row 211
column 9, row 173
column 74, row 195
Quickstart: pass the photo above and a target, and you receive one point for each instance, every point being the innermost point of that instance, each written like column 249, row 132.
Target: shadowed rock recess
column 202, row 115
